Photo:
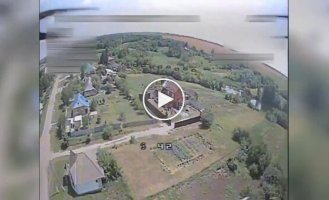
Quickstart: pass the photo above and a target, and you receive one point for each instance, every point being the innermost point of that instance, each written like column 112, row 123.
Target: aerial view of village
column 227, row 138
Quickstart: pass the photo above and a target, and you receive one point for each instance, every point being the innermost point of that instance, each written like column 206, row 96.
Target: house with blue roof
column 80, row 105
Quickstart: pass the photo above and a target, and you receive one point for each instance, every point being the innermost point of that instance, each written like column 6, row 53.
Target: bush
column 239, row 135
column 93, row 105
column 88, row 140
column 207, row 118
column 231, row 165
column 132, row 140
column 107, row 134
column 65, row 145
column 271, row 117
column 110, row 166
column 98, row 121
column 258, row 159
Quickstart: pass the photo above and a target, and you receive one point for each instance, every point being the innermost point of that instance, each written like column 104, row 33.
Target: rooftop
column 89, row 85
column 170, row 86
column 83, row 169
column 80, row 101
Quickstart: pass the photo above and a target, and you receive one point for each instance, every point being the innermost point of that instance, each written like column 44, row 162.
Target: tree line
column 258, row 160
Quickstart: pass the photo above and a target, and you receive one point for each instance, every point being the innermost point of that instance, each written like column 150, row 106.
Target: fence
column 187, row 122
column 115, row 126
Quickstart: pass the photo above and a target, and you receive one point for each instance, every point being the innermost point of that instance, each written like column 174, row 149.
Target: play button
column 163, row 99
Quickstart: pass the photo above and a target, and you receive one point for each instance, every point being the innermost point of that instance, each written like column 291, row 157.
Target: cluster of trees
column 277, row 106
column 104, row 57
column 250, row 78
column 234, row 98
column 122, row 85
column 66, row 95
column 175, row 48
column 278, row 116
column 145, row 45
column 186, row 75
column 258, row 160
column 110, row 166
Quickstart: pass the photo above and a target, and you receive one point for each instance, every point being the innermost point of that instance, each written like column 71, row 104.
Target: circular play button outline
column 180, row 88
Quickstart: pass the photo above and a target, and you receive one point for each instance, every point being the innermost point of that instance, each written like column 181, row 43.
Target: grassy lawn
column 159, row 58
column 57, row 108
column 138, row 82
column 114, row 190
column 55, row 143
column 116, row 104
column 43, row 115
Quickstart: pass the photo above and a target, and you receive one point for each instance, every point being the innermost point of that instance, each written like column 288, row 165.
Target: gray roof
column 89, row 85
column 195, row 104
column 83, row 169
column 191, row 93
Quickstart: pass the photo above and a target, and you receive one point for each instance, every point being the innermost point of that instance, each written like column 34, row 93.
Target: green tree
column 273, row 183
column 258, row 159
column 207, row 118
column 240, row 135
column 82, row 72
column 107, row 134
column 268, row 95
column 108, row 88
column 110, row 166
column 88, row 139
column 96, row 82
column 66, row 95
column 65, row 144
column 85, row 121
column 61, row 125
column 93, row 105
column 232, row 166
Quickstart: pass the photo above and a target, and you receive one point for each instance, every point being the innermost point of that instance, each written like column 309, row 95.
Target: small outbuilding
column 89, row 88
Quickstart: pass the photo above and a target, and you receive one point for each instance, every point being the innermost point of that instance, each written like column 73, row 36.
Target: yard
column 115, row 104
column 227, row 115
column 114, row 190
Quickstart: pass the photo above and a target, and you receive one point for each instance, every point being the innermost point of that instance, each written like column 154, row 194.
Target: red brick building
column 171, row 89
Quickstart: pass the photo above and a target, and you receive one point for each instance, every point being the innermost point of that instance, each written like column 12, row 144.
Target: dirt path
column 163, row 130
column 45, row 149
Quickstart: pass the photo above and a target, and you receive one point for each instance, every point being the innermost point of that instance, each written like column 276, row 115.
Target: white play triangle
column 163, row 99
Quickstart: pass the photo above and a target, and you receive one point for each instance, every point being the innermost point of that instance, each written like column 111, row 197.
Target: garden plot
column 185, row 151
